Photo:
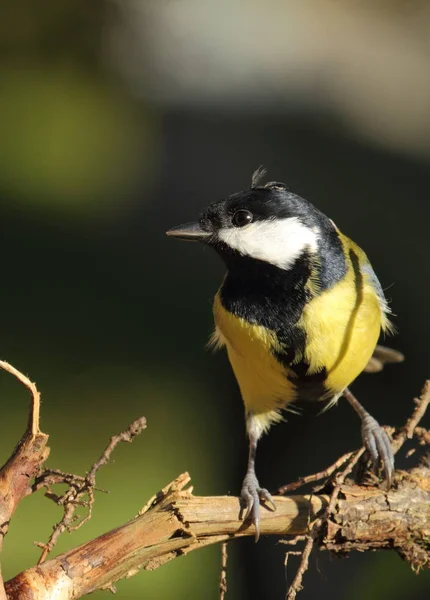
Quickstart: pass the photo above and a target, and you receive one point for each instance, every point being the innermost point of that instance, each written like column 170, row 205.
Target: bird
column 299, row 311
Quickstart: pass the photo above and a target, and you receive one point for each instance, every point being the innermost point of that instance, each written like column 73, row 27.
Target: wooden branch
column 176, row 522
column 23, row 465
column 339, row 516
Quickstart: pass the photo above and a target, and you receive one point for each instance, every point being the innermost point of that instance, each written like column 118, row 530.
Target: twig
column 296, row 585
column 33, row 426
column 339, row 481
column 291, row 487
column 294, row 541
column 423, row 436
column 79, row 487
column 59, row 528
column 128, row 435
column 407, row 431
column 223, row 577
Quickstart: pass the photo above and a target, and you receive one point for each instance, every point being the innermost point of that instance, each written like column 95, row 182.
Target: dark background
column 110, row 318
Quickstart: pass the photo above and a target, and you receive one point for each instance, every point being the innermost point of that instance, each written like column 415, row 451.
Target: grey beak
column 189, row 231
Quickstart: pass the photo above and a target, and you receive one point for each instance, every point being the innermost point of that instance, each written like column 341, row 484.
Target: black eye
column 242, row 218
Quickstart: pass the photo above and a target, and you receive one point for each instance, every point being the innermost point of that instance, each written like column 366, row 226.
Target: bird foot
column 250, row 497
column 378, row 445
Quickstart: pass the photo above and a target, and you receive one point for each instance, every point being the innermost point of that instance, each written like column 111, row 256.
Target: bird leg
column 375, row 438
column 252, row 493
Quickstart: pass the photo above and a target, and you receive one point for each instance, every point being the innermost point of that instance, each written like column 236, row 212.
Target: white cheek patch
column 278, row 241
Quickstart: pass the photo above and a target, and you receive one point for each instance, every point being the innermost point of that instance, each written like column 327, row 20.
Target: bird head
column 267, row 223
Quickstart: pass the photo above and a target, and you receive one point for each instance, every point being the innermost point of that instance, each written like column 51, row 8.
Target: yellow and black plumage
column 299, row 311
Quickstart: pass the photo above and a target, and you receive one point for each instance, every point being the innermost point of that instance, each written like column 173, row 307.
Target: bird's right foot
column 251, row 496
column 378, row 445
column 375, row 439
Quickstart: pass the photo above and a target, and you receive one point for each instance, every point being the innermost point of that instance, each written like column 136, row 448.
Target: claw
column 379, row 447
column 267, row 499
column 251, row 496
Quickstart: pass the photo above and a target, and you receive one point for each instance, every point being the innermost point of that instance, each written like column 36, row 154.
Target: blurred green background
column 119, row 119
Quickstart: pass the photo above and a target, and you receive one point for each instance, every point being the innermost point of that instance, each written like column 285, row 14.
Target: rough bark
column 368, row 519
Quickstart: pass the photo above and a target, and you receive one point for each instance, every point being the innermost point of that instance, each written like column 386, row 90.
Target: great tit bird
column 299, row 311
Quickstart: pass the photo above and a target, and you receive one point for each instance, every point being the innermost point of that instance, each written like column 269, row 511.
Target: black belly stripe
column 263, row 294
column 310, row 388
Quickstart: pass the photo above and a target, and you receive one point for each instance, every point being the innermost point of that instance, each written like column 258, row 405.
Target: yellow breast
column 262, row 380
column 341, row 325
